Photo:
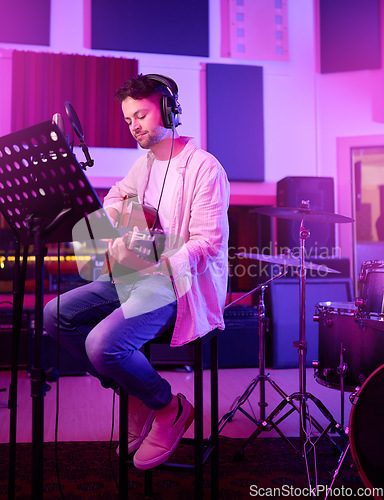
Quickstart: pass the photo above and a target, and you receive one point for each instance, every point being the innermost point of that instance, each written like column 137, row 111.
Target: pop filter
column 76, row 125
column 74, row 120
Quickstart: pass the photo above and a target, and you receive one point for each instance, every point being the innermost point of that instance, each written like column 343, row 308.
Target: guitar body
column 143, row 235
column 144, row 217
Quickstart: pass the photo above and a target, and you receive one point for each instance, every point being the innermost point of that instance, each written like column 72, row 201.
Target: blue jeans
column 103, row 325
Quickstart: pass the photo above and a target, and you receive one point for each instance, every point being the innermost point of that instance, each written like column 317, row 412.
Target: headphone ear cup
column 170, row 118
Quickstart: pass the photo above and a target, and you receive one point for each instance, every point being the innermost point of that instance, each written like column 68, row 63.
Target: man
column 105, row 323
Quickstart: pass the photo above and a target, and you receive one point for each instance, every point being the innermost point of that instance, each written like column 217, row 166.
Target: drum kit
column 349, row 351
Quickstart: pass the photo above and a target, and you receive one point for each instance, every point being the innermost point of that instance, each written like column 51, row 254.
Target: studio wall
column 305, row 111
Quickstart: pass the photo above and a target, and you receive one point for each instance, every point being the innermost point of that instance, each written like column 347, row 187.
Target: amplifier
column 238, row 344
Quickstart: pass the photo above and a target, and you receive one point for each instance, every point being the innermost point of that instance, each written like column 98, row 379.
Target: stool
column 203, row 448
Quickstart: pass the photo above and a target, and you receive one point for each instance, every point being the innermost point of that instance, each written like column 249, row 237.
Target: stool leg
column 148, row 483
column 123, row 445
column 148, row 489
column 214, row 419
column 198, row 389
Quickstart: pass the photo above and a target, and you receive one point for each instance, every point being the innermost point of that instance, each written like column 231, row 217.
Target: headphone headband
column 166, row 81
column 170, row 107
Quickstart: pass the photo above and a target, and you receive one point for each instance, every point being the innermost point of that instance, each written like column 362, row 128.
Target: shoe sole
column 150, row 464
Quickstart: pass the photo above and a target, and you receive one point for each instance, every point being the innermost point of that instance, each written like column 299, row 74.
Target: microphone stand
column 90, row 162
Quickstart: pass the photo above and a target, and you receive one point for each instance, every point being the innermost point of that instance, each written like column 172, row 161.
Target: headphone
column 169, row 104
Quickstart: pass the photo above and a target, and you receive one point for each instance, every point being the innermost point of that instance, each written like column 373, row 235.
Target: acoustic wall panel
column 349, row 35
column 26, row 22
column 150, row 26
column 255, row 30
column 235, row 119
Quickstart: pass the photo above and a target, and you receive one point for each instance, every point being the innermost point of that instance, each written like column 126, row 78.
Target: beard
column 147, row 139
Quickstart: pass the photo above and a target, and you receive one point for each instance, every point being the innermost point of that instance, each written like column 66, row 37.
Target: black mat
column 88, row 471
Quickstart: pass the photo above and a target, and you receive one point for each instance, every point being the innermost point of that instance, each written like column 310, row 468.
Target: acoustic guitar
column 143, row 235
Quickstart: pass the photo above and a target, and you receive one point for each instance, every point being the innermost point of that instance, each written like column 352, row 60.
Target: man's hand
column 118, row 250
column 112, row 213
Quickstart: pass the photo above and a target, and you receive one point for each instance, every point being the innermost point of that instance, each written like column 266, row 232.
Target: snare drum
column 337, row 329
column 371, row 299
column 366, row 431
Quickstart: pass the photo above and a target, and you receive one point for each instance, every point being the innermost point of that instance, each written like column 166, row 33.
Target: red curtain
column 43, row 82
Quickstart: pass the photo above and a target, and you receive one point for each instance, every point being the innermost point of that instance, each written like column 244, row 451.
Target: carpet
column 269, row 467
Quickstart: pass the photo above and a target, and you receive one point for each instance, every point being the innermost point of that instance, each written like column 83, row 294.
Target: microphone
column 57, row 119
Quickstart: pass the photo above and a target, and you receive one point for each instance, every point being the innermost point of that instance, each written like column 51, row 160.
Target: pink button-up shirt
column 199, row 216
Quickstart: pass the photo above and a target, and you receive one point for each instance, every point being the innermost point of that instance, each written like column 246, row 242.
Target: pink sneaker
column 140, row 419
column 162, row 440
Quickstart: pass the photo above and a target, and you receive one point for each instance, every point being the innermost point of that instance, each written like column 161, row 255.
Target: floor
column 84, row 410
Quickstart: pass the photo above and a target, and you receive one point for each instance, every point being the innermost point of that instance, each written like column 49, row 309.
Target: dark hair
column 140, row 87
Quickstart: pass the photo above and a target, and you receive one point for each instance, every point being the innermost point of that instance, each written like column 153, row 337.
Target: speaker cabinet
column 319, row 191
column 283, row 311
column 249, row 232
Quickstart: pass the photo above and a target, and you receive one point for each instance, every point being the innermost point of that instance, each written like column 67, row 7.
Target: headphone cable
column 165, row 176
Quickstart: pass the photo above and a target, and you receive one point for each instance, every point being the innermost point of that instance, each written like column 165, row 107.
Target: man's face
column 144, row 120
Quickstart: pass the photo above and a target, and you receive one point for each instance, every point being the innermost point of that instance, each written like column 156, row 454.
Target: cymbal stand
column 302, row 396
column 261, row 378
column 302, row 344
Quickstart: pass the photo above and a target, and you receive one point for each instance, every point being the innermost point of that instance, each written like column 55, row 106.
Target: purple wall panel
column 235, row 119
column 25, row 21
column 349, row 35
column 172, row 27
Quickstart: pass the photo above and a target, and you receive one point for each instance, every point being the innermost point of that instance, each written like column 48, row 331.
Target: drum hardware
column 342, row 370
column 372, row 322
column 302, row 396
column 338, row 468
column 262, row 378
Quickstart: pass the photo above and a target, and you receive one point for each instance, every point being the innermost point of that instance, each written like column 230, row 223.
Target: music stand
column 43, row 193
